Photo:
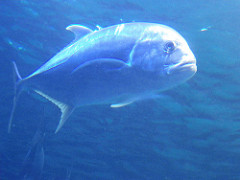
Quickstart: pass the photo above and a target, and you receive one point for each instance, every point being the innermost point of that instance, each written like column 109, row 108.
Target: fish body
column 116, row 65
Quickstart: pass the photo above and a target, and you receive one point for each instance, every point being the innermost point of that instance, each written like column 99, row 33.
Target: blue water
column 192, row 133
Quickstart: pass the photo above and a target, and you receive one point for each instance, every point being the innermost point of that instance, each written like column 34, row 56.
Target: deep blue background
column 194, row 133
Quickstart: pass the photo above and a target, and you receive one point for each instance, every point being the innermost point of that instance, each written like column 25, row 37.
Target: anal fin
column 66, row 109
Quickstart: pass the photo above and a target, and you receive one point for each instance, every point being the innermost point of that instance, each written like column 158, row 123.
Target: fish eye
column 169, row 47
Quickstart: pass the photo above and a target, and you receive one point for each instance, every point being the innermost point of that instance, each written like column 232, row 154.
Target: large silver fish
column 116, row 65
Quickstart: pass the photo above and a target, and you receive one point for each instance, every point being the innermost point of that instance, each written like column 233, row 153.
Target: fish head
column 165, row 53
column 178, row 61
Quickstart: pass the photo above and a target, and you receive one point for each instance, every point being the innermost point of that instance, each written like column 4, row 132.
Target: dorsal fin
column 66, row 110
column 78, row 30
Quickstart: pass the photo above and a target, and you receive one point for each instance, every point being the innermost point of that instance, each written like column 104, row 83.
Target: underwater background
column 193, row 133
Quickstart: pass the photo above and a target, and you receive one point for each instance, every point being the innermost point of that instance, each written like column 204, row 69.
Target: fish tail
column 17, row 91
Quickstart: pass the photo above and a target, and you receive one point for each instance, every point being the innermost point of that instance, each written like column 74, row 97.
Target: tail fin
column 17, row 90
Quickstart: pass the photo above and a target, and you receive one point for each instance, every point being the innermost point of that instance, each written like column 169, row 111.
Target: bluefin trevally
column 116, row 65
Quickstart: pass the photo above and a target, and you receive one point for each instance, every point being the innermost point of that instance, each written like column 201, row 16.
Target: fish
column 34, row 160
column 116, row 65
column 69, row 172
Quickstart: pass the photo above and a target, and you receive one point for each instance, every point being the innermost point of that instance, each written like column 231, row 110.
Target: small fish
column 15, row 45
column 69, row 172
column 34, row 160
column 205, row 29
column 116, row 65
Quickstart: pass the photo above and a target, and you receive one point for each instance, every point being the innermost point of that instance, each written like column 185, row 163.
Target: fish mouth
column 189, row 66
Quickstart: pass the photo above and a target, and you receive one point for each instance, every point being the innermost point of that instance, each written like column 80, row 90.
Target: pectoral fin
column 107, row 64
column 124, row 102
column 121, row 104
column 66, row 110
column 131, row 100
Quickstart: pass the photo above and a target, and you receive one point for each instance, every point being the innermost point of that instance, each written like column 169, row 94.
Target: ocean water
column 193, row 133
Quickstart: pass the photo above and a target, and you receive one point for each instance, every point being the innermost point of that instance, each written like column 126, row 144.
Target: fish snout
column 186, row 64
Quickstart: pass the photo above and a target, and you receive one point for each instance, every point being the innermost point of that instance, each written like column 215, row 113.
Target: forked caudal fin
column 66, row 110
column 17, row 91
